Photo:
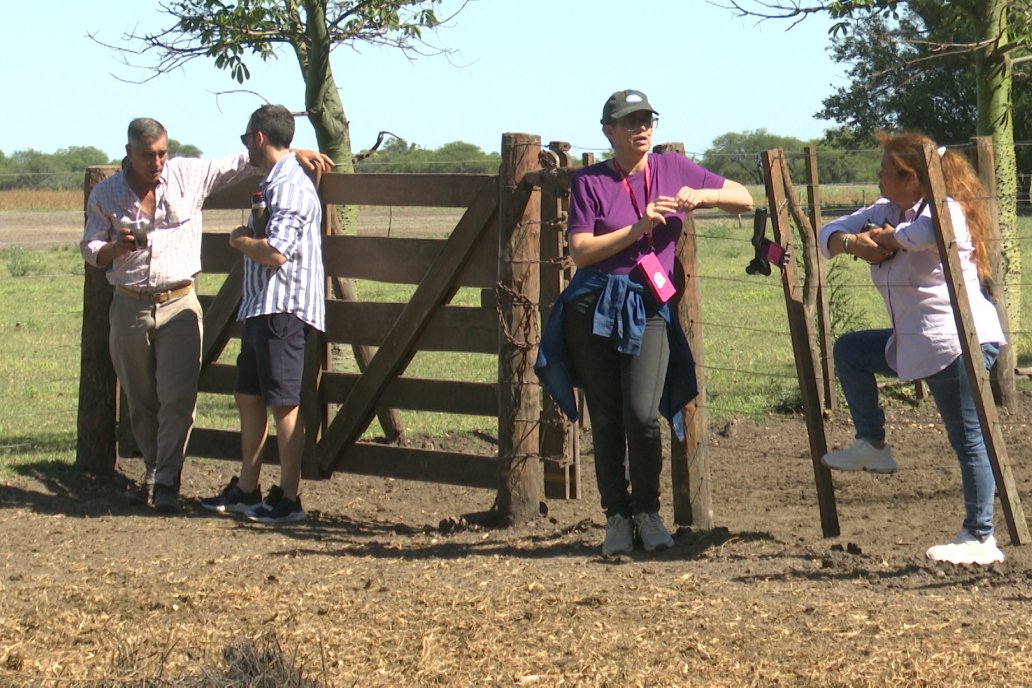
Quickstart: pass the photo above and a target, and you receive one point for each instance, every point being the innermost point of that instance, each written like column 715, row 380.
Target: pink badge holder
column 656, row 277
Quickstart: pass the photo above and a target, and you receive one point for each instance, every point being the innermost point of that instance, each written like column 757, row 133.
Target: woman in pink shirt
column 897, row 236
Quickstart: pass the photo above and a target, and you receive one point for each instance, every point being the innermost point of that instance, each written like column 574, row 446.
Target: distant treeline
column 733, row 155
column 64, row 168
column 457, row 157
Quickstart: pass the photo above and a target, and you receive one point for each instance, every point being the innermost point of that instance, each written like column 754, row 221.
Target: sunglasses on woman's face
column 637, row 121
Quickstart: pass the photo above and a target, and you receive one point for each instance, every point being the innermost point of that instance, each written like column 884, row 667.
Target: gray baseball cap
column 623, row 103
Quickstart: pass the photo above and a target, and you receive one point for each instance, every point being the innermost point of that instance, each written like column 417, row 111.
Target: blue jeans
column 859, row 356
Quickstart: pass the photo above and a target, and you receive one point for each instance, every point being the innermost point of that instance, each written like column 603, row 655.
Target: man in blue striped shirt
column 283, row 300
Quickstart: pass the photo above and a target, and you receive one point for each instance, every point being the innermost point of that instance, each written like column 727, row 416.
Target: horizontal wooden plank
column 217, row 256
column 367, row 458
column 407, row 463
column 206, row 300
column 420, row 394
column 482, row 268
column 403, row 261
column 434, row 190
column 453, row 328
column 422, row 190
column 400, row 261
column 411, row 394
column 225, row 444
column 232, row 197
column 218, row 378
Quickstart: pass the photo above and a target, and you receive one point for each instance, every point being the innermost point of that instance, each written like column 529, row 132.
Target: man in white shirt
column 144, row 226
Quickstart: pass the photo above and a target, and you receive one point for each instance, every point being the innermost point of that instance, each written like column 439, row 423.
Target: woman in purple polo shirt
column 612, row 332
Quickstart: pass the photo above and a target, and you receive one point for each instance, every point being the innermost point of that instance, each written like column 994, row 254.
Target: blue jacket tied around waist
column 620, row 317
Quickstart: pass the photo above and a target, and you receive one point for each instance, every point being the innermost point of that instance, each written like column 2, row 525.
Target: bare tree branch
column 219, row 94
column 773, row 10
column 363, row 154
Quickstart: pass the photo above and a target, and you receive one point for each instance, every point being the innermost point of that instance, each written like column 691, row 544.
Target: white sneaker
column 967, row 549
column 619, row 537
column 654, row 535
column 862, row 456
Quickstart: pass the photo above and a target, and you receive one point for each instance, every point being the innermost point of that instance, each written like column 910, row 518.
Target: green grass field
column 748, row 357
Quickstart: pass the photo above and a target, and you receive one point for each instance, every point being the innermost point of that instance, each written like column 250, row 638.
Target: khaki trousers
column 156, row 351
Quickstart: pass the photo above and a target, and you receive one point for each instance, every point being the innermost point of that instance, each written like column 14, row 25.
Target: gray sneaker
column 654, row 535
column 619, row 536
column 862, row 456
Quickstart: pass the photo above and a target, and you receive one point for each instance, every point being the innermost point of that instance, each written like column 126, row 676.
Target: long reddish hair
column 906, row 149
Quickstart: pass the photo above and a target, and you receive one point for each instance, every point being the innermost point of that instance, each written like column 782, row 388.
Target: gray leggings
column 622, row 393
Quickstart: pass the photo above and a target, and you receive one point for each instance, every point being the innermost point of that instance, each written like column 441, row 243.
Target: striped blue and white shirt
column 297, row 287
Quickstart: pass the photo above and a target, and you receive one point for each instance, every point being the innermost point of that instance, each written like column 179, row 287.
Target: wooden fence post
column 519, row 284
column 559, row 438
column 801, row 330
column 813, row 198
column 972, row 352
column 98, row 384
column 1002, row 375
column 689, row 459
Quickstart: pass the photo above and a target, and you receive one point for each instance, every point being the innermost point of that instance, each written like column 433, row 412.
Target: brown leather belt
column 155, row 296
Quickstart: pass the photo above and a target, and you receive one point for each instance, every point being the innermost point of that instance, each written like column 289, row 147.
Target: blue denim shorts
column 272, row 358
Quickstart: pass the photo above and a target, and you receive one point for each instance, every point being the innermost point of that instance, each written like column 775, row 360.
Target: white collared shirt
column 912, row 283
column 173, row 253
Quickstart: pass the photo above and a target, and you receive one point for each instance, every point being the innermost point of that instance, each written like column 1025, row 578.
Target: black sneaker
column 278, row 509
column 138, row 495
column 233, row 500
column 166, row 499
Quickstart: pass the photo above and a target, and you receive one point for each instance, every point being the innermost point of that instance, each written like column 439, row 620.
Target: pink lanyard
column 630, row 192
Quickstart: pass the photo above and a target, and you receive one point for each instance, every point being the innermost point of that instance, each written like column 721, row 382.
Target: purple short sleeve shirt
column 599, row 203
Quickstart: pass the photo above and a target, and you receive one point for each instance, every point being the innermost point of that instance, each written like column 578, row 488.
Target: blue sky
column 535, row 66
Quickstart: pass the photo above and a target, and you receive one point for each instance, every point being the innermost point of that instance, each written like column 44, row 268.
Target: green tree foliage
column 993, row 38
column 62, row 169
column 940, row 101
column 880, row 96
column 456, row 157
column 736, row 155
column 232, row 34
column 182, row 150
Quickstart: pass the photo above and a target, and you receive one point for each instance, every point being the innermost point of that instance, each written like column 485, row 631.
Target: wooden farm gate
column 502, row 263
column 467, row 258
column 508, row 244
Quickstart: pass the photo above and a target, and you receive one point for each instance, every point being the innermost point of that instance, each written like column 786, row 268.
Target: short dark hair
column 276, row 122
column 145, row 129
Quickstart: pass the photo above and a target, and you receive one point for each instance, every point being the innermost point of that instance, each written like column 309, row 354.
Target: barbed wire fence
column 39, row 401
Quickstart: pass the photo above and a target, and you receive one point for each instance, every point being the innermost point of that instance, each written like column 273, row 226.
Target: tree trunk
column 996, row 119
column 326, row 115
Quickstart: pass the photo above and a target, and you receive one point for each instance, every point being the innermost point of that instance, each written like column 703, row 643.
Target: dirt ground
column 388, row 584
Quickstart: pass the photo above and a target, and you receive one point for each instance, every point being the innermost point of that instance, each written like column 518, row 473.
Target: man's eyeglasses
column 636, row 122
column 245, row 135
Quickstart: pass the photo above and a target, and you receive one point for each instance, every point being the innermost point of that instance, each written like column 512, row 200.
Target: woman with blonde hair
column 896, row 235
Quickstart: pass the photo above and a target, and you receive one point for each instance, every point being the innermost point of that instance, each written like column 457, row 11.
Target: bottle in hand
column 259, row 214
